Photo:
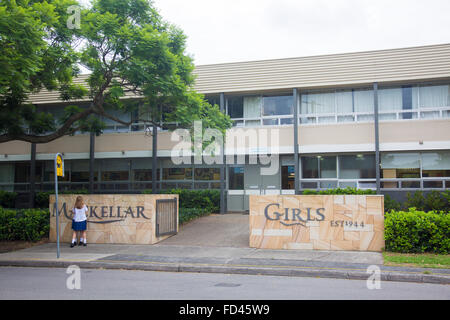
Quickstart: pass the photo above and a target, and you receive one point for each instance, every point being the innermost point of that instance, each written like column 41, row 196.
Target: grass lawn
column 421, row 260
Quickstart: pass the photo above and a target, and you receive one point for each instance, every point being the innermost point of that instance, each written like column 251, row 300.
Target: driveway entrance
column 228, row 230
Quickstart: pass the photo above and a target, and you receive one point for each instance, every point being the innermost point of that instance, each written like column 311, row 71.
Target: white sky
column 240, row 30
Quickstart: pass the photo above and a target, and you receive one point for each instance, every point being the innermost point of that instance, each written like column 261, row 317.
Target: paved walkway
column 228, row 230
column 219, row 244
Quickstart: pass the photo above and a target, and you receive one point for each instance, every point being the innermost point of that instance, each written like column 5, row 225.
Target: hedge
column 205, row 199
column 415, row 231
column 188, row 214
column 7, row 199
column 24, row 224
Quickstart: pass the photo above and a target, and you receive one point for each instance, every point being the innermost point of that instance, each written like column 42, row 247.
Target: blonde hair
column 79, row 203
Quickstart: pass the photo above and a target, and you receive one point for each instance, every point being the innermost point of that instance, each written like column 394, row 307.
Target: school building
column 376, row 119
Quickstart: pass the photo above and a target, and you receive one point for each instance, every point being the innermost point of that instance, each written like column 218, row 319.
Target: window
column 79, row 171
column 327, row 167
column 236, row 107
column 236, row 178
column 207, row 174
column 436, row 164
column 316, row 103
column 279, row 105
column 287, row 177
column 177, row 174
column 310, row 167
column 436, row 96
column 400, row 165
column 321, row 167
column 22, row 172
column 361, row 166
column 115, row 169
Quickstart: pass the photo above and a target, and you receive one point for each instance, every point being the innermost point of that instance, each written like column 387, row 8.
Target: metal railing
column 317, row 118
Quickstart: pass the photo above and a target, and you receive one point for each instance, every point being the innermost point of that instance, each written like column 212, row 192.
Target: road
column 51, row 283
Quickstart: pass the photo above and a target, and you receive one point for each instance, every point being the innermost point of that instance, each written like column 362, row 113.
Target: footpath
column 219, row 244
column 230, row 260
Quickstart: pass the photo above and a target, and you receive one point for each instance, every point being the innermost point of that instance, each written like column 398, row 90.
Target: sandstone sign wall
column 120, row 219
column 321, row 222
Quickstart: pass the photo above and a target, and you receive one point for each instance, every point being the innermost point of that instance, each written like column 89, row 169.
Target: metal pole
column 296, row 157
column 377, row 137
column 91, row 162
column 154, row 159
column 56, row 209
column 32, row 174
column 222, row 167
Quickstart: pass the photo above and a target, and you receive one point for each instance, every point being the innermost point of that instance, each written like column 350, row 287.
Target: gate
column 166, row 217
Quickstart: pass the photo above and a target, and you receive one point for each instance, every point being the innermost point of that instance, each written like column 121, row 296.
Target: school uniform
column 79, row 221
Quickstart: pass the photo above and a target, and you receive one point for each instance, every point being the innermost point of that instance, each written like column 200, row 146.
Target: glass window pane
column 236, row 178
column 400, row 165
column 363, row 100
column 436, row 164
column 252, row 107
column 114, row 169
column 207, row 174
column 316, row 103
column 434, row 96
column 287, row 177
column 281, row 105
column 327, row 167
column 310, row 167
column 344, row 101
column 177, row 173
column 361, row 166
column 390, row 99
column 236, row 107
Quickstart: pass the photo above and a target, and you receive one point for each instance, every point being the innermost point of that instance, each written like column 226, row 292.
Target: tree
column 36, row 51
column 129, row 50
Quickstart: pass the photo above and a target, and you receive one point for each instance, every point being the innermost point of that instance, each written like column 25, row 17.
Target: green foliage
column 24, row 224
column 188, row 214
column 391, row 204
column 36, row 51
column 204, row 199
column 433, row 201
column 347, row 190
column 417, row 231
column 7, row 199
column 41, row 199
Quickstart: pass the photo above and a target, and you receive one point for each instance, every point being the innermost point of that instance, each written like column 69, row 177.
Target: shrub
column 391, row 204
column 417, row 200
column 24, row 224
column 7, row 199
column 188, row 214
column 416, row 231
column 435, row 201
column 206, row 199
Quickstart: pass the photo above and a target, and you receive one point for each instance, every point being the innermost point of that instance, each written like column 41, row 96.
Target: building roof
column 383, row 66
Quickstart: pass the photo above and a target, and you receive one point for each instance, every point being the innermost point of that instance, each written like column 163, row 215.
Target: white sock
column 84, row 240
column 74, row 240
column 81, row 239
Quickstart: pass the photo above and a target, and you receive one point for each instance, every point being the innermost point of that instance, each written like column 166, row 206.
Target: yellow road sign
column 59, row 166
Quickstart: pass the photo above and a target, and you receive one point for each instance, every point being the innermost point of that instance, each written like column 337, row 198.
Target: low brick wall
column 114, row 219
column 317, row 222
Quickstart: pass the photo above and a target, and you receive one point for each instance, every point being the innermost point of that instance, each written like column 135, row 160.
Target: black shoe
column 73, row 244
column 84, row 244
column 80, row 243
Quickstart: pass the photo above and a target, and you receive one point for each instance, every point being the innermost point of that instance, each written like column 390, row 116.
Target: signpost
column 59, row 172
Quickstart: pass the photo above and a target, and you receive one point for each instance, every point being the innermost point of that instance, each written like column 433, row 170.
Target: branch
column 63, row 130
